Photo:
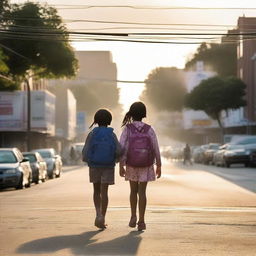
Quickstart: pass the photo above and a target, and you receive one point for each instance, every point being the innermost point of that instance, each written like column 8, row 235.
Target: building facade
column 246, row 52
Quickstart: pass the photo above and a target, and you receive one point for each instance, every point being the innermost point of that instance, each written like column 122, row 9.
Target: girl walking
column 101, row 152
column 140, row 152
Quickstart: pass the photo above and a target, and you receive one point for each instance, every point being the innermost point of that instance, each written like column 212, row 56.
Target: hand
column 122, row 171
column 158, row 172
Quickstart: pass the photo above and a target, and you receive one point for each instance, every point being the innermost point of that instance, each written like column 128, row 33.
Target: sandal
column 132, row 222
column 141, row 226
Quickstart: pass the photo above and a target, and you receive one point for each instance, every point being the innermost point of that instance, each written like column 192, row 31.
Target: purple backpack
column 140, row 150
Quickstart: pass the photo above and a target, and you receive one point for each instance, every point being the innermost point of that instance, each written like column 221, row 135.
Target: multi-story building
column 93, row 66
column 246, row 52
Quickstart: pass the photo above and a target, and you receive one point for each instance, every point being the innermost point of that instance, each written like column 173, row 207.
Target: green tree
column 7, row 84
column 215, row 95
column 222, row 58
column 34, row 39
column 165, row 89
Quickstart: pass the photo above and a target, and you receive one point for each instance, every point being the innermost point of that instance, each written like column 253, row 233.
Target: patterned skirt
column 140, row 174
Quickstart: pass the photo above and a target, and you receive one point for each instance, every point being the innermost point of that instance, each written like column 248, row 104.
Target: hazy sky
column 135, row 60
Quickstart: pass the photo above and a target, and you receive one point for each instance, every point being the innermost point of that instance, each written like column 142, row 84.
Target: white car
column 15, row 170
column 53, row 161
column 38, row 166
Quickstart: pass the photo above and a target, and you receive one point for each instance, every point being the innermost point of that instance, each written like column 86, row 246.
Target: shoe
column 100, row 222
column 141, row 226
column 132, row 222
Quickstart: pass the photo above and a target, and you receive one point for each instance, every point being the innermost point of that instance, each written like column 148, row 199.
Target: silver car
column 38, row 166
column 53, row 161
column 15, row 170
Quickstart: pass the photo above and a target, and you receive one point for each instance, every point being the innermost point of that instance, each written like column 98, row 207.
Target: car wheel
column 29, row 183
column 20, row 185
column 246, row 164
column 51, row 176
column 58, row 175
column 227, row 164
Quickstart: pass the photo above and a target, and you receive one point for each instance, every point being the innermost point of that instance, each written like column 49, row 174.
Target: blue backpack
column 102, row 148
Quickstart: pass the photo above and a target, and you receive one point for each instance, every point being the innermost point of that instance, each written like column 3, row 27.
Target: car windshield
column 45, row 154
column 214, row 146
column 31, row 157
column 247, row 141
column 232, row 147
column 7, row 157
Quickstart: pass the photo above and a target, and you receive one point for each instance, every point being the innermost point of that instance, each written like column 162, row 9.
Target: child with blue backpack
column 140, row 152
column 101, row 152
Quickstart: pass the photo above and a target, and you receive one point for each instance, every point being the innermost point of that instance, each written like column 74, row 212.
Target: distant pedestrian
column 101, row 151
column 140, row 152
column 72, row 155
column 187, row 154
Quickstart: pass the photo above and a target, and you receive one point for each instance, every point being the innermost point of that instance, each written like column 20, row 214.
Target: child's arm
column 157, row 153
column 85, row 148
column 118, row 148
column 124, row 149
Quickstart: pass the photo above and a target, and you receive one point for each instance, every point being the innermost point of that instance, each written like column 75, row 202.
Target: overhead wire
column 150, row 7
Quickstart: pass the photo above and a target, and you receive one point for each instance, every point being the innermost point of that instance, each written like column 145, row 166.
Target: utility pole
column 28, row 115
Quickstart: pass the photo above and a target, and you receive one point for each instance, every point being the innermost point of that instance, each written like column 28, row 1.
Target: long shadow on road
column 84, row 244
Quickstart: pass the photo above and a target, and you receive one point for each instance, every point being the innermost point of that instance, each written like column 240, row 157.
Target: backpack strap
column 144, row 129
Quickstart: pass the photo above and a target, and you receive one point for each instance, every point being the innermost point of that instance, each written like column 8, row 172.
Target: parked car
column 53, row 161
column 198, row 153
column 38, row 166
column 253, row 158
column 209, row 153
column 166, row 152
column 245, row 140
column 15, row 170
column 75, row 153
column 233, row 154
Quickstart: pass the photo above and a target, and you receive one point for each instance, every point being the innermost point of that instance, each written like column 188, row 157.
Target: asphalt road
column 198, row 210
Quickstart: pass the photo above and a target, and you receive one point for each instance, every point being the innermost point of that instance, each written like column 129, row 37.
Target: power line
column 128, row 23
column 138, row 7
column 57, row 32
column 11, row 50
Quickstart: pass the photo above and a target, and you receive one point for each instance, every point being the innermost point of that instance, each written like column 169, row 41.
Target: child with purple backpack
column 140, row 153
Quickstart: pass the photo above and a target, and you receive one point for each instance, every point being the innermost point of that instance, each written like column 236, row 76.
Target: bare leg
column 133, row 197
column 104, row 198
column 97, row 198
column 142, row 200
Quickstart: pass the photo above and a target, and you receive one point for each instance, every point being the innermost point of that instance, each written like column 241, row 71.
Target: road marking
column 156, row 208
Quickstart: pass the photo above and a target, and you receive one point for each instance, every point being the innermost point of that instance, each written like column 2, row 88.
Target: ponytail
column 127, row 119
column 92, row 125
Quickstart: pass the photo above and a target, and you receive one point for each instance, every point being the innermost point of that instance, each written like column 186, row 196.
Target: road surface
column 198, row 210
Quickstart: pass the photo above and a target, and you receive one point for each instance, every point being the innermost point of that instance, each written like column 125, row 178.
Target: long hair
column 136, row 112
column 102, row 117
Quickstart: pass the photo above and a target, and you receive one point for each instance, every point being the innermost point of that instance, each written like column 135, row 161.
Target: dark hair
column 102, row 117
column 136, row 112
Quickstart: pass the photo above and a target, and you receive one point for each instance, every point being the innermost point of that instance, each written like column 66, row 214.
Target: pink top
column 125, row 143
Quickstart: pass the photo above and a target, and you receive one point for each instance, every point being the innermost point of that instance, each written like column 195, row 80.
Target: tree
column 34, row 39
column 165, row 89
column 222, row 58
column 215, row 95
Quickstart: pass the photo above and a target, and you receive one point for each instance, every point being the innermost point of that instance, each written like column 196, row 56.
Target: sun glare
column 129, row 93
